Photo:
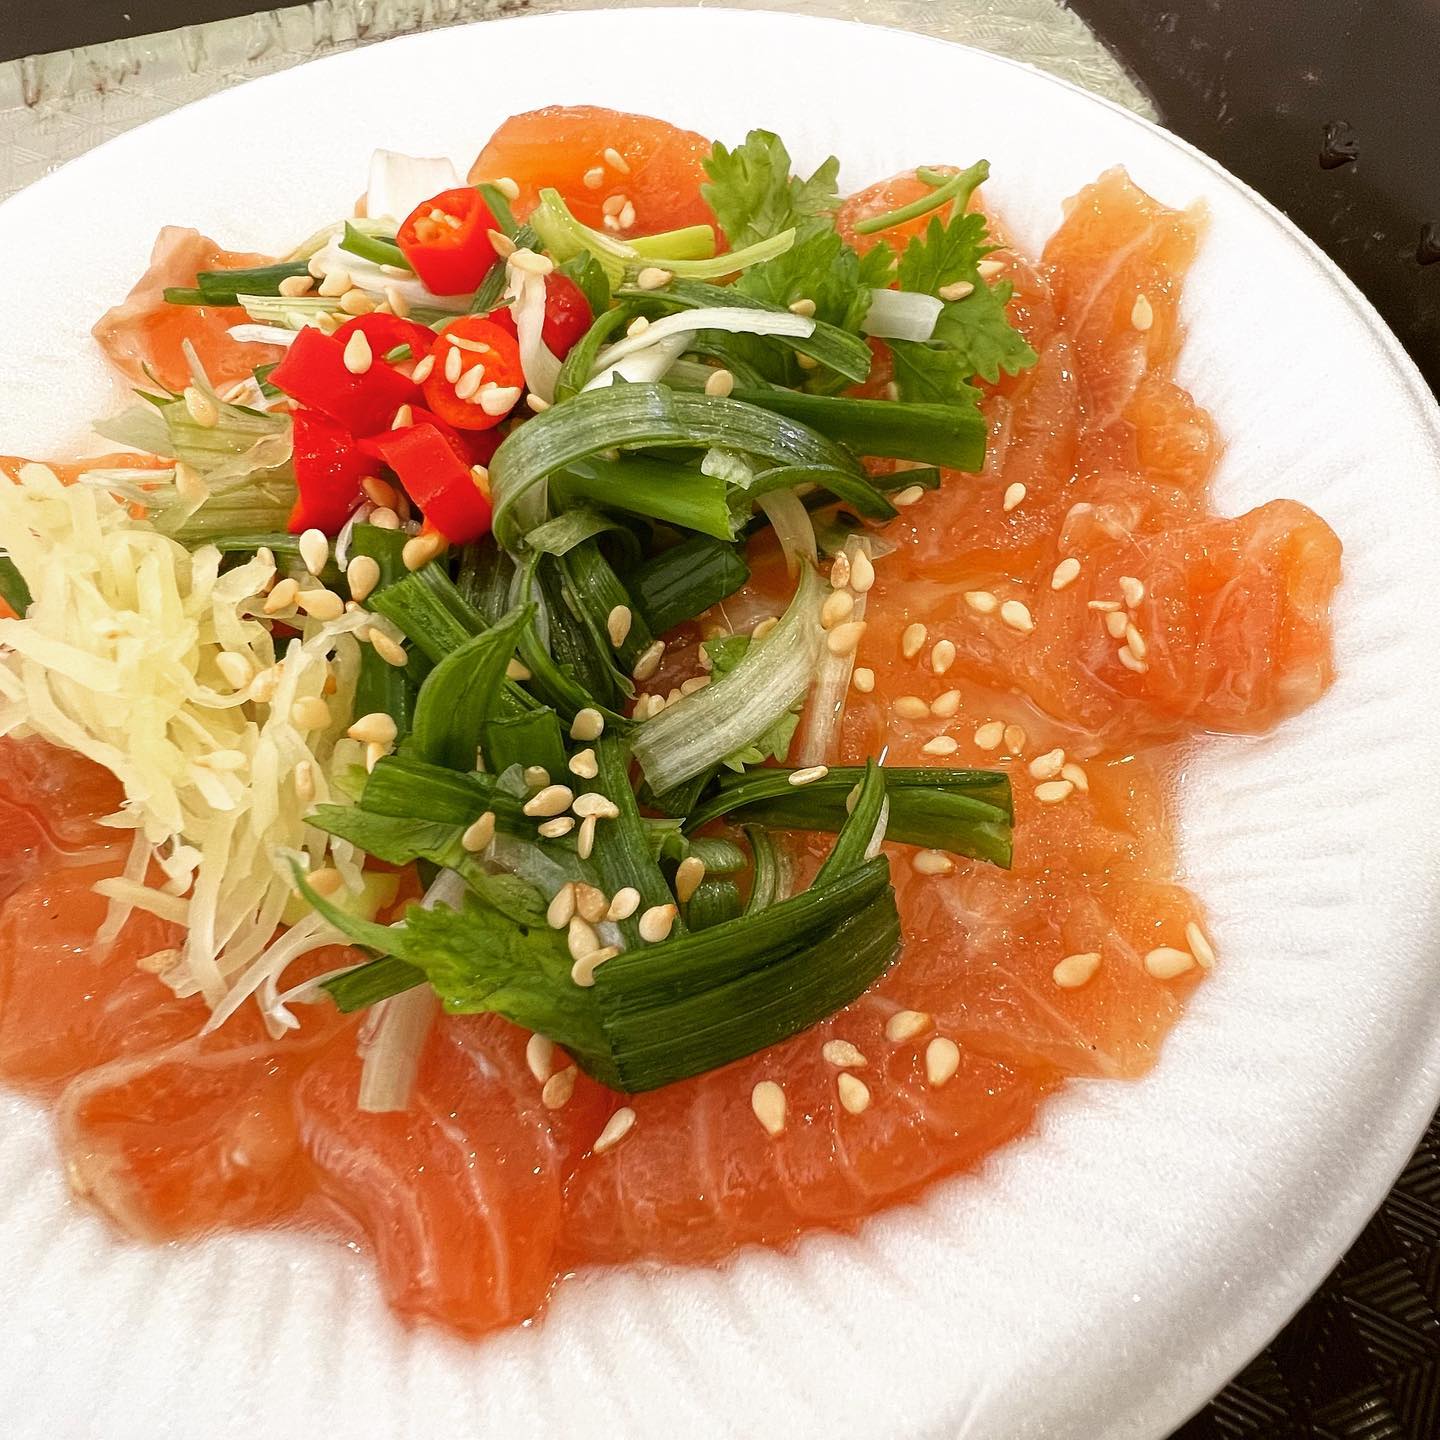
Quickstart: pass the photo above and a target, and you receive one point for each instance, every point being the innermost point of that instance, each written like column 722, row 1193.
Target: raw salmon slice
column 144, row 332
column 564, row 148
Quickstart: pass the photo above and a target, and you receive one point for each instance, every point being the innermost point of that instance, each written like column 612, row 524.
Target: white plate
column 1099, row 1279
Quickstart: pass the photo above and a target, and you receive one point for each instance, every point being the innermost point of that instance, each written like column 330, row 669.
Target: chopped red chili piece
column 446, row 239
column 454, row 502
column 314, row 373
column 329, row 467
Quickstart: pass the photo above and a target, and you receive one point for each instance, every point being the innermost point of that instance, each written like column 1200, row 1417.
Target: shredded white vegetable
column 820, row 725
column 901, row 315
column 525, row 291
column 735, row 319
column 398, row 183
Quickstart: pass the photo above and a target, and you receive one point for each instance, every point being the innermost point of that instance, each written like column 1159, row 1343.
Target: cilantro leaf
column 725, row 653
column 821, row 267
column 754, row 195
column 949, row 252
column 933, row 374
column 979, row 328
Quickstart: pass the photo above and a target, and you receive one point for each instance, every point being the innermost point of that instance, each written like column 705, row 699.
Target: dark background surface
column 1331, row 110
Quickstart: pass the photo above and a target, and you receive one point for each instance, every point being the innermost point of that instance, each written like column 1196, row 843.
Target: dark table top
column 1331, row 110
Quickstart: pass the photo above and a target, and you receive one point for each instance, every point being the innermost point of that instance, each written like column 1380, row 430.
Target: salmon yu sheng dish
column 618, row 706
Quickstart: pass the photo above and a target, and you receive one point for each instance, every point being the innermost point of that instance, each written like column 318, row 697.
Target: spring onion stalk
column 643, row 366
column 715, row 901
column 770, row 877
column 656, row 489
column 534, row 738
column 579, row 365
column 700, row 730
column 622, row 853
column 526, row 292
column 366, row 985
column 825, row 709
column 593, row 592
column 223, row 287
column 733, row 319
column 572, row 527
column 650, row 416
column 381, row 686
column 686, row 580
column 901, row 315
column 483, row 583
column 791, row 522
column 377, row 249
column 576, row 610
column 669, row 842
column 955, row 188
column 13, row 589
column 490, row 291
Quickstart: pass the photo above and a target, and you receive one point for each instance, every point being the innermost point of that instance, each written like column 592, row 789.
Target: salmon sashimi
column 596, row 157
column 145, row 334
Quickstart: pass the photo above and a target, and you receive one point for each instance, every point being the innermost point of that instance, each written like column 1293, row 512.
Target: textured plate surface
column 1101, row 1278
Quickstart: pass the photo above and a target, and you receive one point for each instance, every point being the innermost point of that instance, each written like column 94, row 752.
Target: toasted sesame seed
column 304, row 778
column 843, row 1055
column 540, row 1056
column 617, row 1127
column 582, row 972
column 615, row 160
column 1132, row 589
column 940, row 745
column 719, row 383
column 282, row 597
column 423, row 370
column 158, row 961
column 497, row 399
column 536, row 777
column 201, row 408
column 263, row 686
column 638, row 326
column 905, row 1025
column 1052, row 792
column 470, row 380
column 310, row 713
column 388, row 650
column 617, row 624
column 862, row 572
column 481, row 476
column 557, row 1090
column 1104, row 607
column 804, row 307
column 561, row 909
column 844, row 638
column 1142, row 313
column 1116, row 623
column 908, row 496
column 1166, row 962
column 911, row 707
column 551, row 800
column 357, row 302
column 989, row 269
column 326, row 881
column 767, row 1100
column 592, row 802
column 535, row 403
column 376, row 728
column 594, row 177
column 946, row 704
column 584, row 764
column 982, row 602
column 655, row 923
column 588, row 724
column 837, row 607
column 516, row 669
column 863, row 679
column 627, row 219
column 296, row 285
column 1076, row 970
column 1048, row 765
column 358, row 356
column 1200, row 946
column 503, row 245
column 688, row 875
column 554, row 829
column 912, row 641
column 403, row 419
column 235, row 667
column 840, row 571
column 649, row 661
column 764, row 627
column 1076, row 775
column 420, row 550
column 1136, row 641
column 808, row 774
column 854, row 1093
column 399, row 305
column 990, row 735
column 652, row 277
column 932, row 862
column 532, row 263
column 1131, row 661
column 1065, row 573
column 1016, row 614
column 580, row 938
column 942, row 656
column 455, row 365
column 694, row 684
column 956, row 290
column 336, row 282
column 314, row 550
column 623, row 904
column 942, row 1060
column 1014, row 494
column 380, row 492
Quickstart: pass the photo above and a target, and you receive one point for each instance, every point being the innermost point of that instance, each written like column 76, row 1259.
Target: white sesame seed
column 1116, row 623
column 584, row 764
column 503, row 245
column 911, row 707
column 843, row 1055
column 479, row 833
column 536, row 404
column 423, row 370
column 282, row 597
column 1131, row 661
column 719, row 383
column 840, row 571
column 844, row 638
column 617, row 1127
column 655, row 923
column 591, row 902
column 1076, row 775
column 804, row 307
column 326, row 881
column 613, row 204
column 470, row 380
column 862, row 572
column 942, row 656
column 190, row 487
column 551, row 800
column 1076, row 970
column 615, row 160
column 767, row 1100
column 854, row 1093
column 990, row 735
column 694, row 684
column 932, row 862
column 946, row 704
column 399, row 305
column 1142, row 313
column 561, row 909
column 956, row 290
column 942, row 1060
column 296, row 285
column 263, row 686
column 507, row 187
column 592, row 802
column 403, row 419
column 940, row 745
column 1136, row 641
column 624, row 903
column 558, row 1089
column 540, row 1056
column 1105, row 607
column 336, row 282
column 516, row 669
column 383, row 518
column 358, row 357
column 764, row 627
column 420, row 550
column 481, row 476
column 356, row 302
column 498, row 399
column 1048, row 765
column 158, row 961
column 1132, row 589
column 982, row 602
column 808, row 774
column 455, row 365
column 1052, row 792
column 1200, row 946
column 1166, row 962
column 837, row 607
column 611, row 223
column 688, row 875
column 912, row 641
column 554, row 829
column 863, row 680
column 582, row 972
column 304, row 777
column 588, row 724
column 649, row 661
column 1014, row 494
column 892, row 390
column 627, row 221
column 594, row 177
column 235, row 667
column 652, row 277
column 1016, row 614
column 908, row 496
column 314, row 550
column 989, row 269
column 201, row 408
column 310, row 713
column 376, row 728
column 536, row 777
column 580, row 938
column 617, row 624
column 388, row 650
column 531, row 262
column 1065, row 573
column 905, row 1025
